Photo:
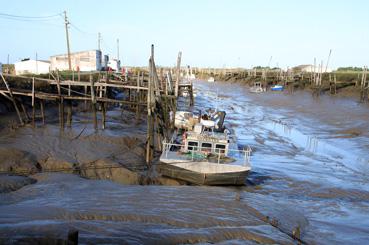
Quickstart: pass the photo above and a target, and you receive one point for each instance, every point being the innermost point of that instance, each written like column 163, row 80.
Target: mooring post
column 150, row 111
column 42, row 111
column 148, row 136
column 69, row 113
column 191, row 95
column 61, row 113
column 61, row 102
column 69, row 106
column 33, row 102
column 103, row 110
column 178, row 73
column 138, row 97
column 73, row 237
column 86, row 97
column 93, row 102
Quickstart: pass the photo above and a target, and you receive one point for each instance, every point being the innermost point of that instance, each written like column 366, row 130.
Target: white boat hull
column 203, row 172
column 211, row 80
column 257, row 90
column 183, row 172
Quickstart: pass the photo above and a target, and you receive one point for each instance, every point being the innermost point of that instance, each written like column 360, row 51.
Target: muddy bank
column 116, row 153
column 104, row 212
column 13, row 183
column 346, row 117
column 309, row 174
column 348, row 85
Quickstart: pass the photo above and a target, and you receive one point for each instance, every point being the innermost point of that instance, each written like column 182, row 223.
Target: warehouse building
column 28, row 66
column 83, row 61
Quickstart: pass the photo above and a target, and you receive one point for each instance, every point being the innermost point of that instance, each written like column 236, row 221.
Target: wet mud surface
column 310, row 170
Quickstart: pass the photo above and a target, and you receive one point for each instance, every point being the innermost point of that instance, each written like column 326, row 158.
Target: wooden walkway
column 145, row 91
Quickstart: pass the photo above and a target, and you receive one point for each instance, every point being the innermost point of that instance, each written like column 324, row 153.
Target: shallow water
column 299, row 149
column 308, row 172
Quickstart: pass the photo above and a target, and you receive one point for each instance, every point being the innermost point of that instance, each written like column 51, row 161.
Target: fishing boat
column 185, row 120
column 277, row 88
column 211, row 80
column 206, row 155
column 257, row 88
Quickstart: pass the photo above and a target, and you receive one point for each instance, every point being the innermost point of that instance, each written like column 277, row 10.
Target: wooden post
column 150, row 126
column 178, row 73
column 85, row 96
column 103, row 110
column 33, row 102
column 364, row 86
column 148, row 135
column 162, row 81
column 24, row 111
column 191, row 95
column 73, row 237
column 61, row 109
column 69, row 113
column 42, row 112
column 93, row 102
column 12, row 99
column 138, row 97
column 61, row 103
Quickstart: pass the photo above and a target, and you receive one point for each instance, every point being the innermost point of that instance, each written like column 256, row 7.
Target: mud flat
column 106, row 212
column 116, row 153
column 309, row 154
column 10, row 183
column 310, row 166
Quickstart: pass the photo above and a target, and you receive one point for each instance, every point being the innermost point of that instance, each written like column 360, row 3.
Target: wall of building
column 31, row 67
column 84, row 61
column 114, row 64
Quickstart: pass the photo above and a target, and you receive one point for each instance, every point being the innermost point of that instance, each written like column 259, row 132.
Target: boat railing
column 245, row 153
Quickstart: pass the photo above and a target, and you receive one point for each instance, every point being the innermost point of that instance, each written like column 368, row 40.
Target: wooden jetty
column 318, row 80
column 144, row 91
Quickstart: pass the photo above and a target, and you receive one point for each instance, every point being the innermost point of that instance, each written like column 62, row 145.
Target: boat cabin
column 206, row 142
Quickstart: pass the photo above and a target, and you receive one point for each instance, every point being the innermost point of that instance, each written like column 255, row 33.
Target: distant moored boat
column 211, row 80
column 257, row 88
column 277, row 88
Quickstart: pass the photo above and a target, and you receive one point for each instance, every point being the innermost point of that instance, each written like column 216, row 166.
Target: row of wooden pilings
column 291, row 79
column 158, row 96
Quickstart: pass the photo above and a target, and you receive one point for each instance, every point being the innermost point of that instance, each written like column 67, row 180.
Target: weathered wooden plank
column 12, row 99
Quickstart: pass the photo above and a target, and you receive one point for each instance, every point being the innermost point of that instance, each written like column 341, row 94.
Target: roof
column 79, row 52
column 44, row 61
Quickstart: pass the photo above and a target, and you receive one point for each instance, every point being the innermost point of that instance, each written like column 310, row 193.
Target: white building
column 84, row 61
column 114, row 64
column 28, row 66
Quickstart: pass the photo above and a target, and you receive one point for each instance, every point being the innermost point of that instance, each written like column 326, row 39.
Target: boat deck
column 203, row 165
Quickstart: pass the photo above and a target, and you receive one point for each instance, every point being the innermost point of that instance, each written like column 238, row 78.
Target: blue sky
column 217, row 33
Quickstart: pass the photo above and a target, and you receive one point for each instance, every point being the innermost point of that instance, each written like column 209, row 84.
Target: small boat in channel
column 204, row 152
column 277, row 88
column 211, row 80
column 257, row 88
